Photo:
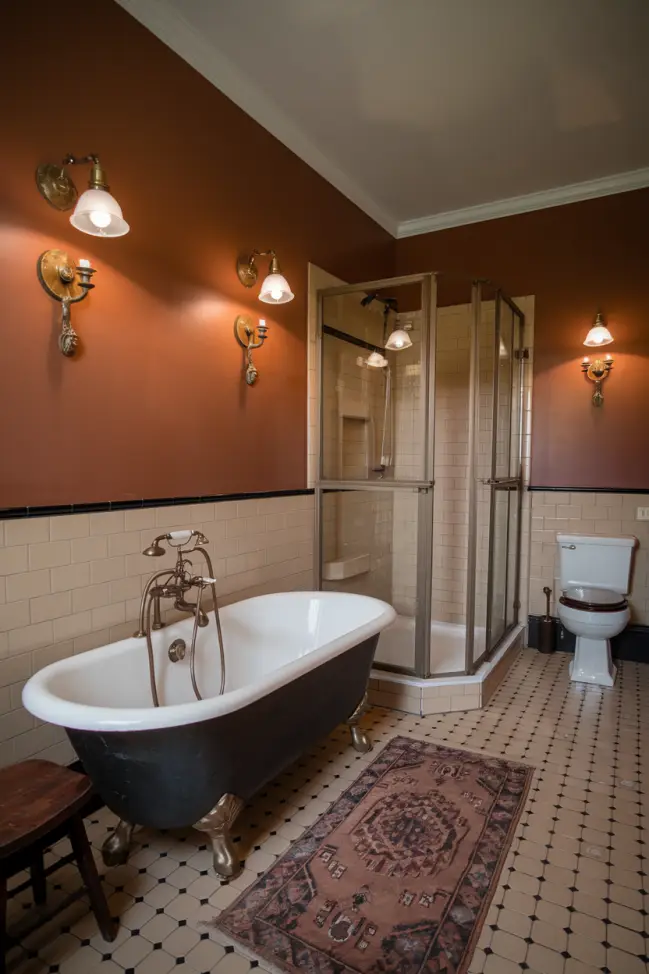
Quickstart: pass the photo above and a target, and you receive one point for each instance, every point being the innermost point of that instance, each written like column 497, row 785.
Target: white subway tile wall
column 71, row 583
column 573, row 512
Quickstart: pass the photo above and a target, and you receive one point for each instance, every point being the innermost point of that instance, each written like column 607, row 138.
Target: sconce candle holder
column 597, row 372
column 250, row 338
column 68, row 284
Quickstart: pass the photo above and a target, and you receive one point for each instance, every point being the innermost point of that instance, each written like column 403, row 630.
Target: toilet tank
column 589, row 559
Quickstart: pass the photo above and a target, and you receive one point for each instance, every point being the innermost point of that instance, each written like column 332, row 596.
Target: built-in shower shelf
column 336, row 571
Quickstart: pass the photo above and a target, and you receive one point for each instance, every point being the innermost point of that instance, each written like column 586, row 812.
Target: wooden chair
column 41, row 803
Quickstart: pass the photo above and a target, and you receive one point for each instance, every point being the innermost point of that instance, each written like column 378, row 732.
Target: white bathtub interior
column 268, row 641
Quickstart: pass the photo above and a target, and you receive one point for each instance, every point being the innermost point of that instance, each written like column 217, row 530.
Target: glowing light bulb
column 276, row 293
column 99, row 218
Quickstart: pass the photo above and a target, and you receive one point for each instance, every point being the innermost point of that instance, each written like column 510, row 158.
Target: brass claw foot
column 217, row 824
column 361, row 740
column 116, row 847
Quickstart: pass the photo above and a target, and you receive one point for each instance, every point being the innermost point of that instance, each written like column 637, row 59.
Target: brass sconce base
column 68, row 284
column 57, row 274
column 243, row 330
column 246, row 271
column 597, row 371
column 56, row 187
column 249, row 338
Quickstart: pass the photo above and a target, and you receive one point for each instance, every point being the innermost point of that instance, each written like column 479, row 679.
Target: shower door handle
column 499, row 482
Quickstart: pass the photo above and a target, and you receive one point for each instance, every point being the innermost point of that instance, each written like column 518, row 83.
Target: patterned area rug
column 397, row 876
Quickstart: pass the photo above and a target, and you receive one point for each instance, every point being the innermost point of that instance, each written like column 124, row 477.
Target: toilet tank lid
column 622, row 541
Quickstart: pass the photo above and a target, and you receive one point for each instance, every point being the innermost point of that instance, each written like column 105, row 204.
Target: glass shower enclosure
column 419, row 481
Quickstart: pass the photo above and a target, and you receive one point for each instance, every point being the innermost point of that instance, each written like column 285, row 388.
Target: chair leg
column 90, row 876
column 37, row 873
column 4, row 945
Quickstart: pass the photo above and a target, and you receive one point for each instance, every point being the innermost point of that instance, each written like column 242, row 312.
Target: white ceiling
column 425, row 112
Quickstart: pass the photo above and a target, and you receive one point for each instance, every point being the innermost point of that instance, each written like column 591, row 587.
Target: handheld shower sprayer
column 175, row 539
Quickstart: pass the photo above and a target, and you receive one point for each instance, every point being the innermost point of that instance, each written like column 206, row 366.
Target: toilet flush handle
column 571, row 546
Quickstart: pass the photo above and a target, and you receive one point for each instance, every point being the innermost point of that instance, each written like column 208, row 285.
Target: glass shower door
column 374, row 484
column 505, row 480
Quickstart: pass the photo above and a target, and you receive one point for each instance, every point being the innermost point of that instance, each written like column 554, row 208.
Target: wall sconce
column 250, row 338
column 96, row 211
column 275, row 288
column 598, row 370
column 67, row 284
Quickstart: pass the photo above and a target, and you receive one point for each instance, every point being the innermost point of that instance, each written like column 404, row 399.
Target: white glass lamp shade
column 598, row 335
column 99, row 214
column 376, row 361
column 398, row 339
column 275, row 290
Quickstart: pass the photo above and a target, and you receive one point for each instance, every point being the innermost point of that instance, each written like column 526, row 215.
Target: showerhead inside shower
column 389, row 304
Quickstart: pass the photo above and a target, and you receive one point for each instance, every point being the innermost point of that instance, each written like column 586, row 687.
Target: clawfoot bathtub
column 297, row 664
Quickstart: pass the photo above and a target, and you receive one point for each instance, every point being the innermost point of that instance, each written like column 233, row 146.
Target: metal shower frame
column 425, row 486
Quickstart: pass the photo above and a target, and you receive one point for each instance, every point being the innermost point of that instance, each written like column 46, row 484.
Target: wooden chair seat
column 35, row 797
column 40, row 803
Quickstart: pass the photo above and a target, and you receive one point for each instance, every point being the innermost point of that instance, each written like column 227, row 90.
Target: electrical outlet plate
column 642, row 514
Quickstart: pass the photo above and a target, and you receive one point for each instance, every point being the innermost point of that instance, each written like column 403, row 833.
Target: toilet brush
column 547, row 626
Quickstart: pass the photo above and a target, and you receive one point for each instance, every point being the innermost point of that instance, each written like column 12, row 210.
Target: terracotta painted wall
column 575, row 259
column 155, row 406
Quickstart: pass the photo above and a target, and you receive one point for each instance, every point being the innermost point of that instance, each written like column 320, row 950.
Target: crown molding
column 574, row 193
column 173, row 30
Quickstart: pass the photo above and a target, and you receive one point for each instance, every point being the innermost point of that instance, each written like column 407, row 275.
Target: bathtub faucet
column 174, row 583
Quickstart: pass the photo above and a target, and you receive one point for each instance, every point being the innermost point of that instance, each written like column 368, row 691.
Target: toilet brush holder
column 547, row 627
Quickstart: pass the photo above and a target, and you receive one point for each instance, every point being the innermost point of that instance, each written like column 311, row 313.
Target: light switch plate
column 642, row 514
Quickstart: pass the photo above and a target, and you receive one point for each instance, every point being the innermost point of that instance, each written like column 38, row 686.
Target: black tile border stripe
column 10, row 513
column 592, row 490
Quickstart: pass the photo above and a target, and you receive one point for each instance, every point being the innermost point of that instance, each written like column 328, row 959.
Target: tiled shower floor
column 572, row 895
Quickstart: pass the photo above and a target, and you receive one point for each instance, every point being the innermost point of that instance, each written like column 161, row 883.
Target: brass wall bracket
column 247, row 270
column 56, row 185
column 250, row 338
column 597, row 371
column 68, row 284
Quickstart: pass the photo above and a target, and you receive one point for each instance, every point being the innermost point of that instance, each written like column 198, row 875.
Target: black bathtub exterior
column 172, row 777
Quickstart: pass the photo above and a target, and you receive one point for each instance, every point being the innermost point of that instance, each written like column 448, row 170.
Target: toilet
column 595, row 574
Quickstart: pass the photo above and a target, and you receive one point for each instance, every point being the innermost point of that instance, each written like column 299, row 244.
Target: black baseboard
column 632, row 644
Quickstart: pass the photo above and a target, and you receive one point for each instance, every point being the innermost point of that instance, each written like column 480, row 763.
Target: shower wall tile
column 73, row 592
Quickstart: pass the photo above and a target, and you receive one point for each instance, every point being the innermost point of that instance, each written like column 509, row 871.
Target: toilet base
column 593, row 662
